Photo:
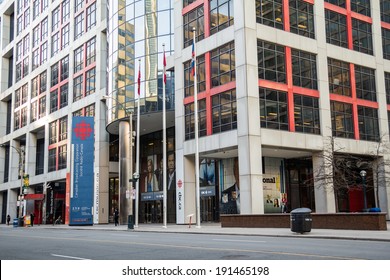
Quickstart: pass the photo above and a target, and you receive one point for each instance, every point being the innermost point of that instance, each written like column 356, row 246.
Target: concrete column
column 125, row 203
column 189, row 187
column 101, row 176
column 248, row 110
column 323, row 183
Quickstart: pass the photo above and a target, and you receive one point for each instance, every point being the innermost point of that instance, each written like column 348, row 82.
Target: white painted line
column 238, row 240
column 68, row 257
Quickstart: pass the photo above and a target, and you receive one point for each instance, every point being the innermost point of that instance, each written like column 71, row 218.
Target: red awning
column 35, row 196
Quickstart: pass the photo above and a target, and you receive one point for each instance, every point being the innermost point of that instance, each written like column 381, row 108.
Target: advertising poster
column 81, row 196
column 272, row 194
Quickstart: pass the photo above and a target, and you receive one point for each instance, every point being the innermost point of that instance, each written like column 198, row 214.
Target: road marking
column 238, row 240
column 68, row 257
column 124, row 235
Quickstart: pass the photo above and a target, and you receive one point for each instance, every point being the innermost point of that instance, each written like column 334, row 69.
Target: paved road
column 62, row 244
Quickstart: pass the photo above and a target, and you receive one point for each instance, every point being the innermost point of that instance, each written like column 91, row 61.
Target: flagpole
column 164, row 146
column 197, row 195
column 137, row 147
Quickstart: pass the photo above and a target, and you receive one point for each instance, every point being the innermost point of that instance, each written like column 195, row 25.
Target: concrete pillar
column 248, row 110
column 125, row 203
column 323, row 183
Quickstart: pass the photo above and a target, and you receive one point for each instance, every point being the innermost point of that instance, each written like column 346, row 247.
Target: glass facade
column 137, row 32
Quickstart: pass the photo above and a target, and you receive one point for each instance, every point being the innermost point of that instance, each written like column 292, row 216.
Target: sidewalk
column 215, row 228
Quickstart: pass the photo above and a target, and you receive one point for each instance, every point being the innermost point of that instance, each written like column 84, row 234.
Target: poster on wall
column 272, row 194
column 82, row 188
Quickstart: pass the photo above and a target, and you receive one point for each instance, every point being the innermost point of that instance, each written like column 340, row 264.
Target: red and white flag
column 139, row 79
column 165, row 68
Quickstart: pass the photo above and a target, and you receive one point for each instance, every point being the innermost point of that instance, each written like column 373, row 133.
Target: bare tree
column 338, row 171
column 380, row 174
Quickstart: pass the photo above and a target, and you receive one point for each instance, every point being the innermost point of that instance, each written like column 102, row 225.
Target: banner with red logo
column 81, row 195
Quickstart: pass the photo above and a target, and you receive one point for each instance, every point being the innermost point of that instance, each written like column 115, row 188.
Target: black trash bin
column 301, row 220
column 21, row 221
column 130, row 223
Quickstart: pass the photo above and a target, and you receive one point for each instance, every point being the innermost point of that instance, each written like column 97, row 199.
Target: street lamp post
column 363, row 173
column 20, row 152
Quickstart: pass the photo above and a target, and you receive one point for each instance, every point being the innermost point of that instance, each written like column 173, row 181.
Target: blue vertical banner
column 81, row 193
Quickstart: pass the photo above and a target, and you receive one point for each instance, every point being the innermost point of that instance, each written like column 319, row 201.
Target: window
column 52, row 160
column 189, row 78
column 36, row 36
column 386, row 43
column 301, row 18
column 91, row 16
column 78, row 4
column 24, row 93
column 90, row 110
column 223, row 65
column 64, row 96
column 361, row 7
column 35, row 59
column 63, row 129
column 18, row 97
column 34, row 87
column 342, row 120
column 34, row 111
column 19, row 50
column 304, row 68
column 90, row 82
column 26, row 45
column 65, row 37
column 368, row 123
column 271, row 61
column 339, row 77
column 53, row 132
column 195, row 18
column 35, row 9
column 44, row 29
column 65, row 10
column 26, row 18
column 78, row 59
column 336, row 29
column 23, row 116
column 78, row 88
column 221, row 15
column 188, row 2
column 224, row 110
column 273, row 109
column 385, row 11
column 340, row 3
column 55, row 19
column 44, row 53
column 387, row 86
column 64, row 68
column 18, row 70
column 79, row 26
column 190, row 119
column 362, row 36
column 55, row 44
column 270, row 13
column 43, row 81
column 19, row 25
column 91, row 51
column 54, row 75
column 42, row 107
column 365, row 83
column 62, row 154
column 53, row 101
column 16, row 120
column 306, row 114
